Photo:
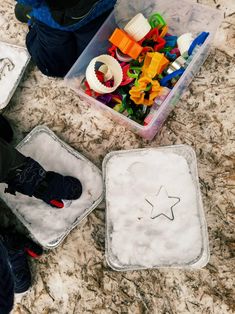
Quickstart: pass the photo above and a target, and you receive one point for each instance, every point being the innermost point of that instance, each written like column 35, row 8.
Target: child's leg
column 6, row 131
column 86, row 33
column 14, row 248
column 54, row 51
column 25, row 175
column 10, row 159
column 6, row 282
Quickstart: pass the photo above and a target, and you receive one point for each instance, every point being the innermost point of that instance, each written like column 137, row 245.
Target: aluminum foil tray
column 47, row 225
column 13, row 62
column 154, row 212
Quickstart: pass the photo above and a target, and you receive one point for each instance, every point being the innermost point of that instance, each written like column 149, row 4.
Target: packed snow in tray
column 152, row 210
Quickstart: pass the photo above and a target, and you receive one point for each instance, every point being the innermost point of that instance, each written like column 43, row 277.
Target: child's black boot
column 51, row 187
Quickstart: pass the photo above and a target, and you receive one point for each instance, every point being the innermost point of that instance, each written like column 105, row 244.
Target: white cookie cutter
column 184, row 42
column 106, row 71
column 122, row 57
column 138, row 27
column 113, row 67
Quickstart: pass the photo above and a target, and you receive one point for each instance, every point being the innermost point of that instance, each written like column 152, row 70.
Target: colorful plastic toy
column 184, row 42
column 154, row 36
column 94, row 81
column 125, row 43
column 176, row 65
column 164, row 31
column 138, row 27
column 154, row 63
column 121, row 56
column 144, row 64
column 175, row 51
column 107, row 74
column 139, row 93
column 156, row 20
column 171, row 41
column 126, row 78
column 134, row 72
column 198, row 41
column 167, row 79
column 171, row 56
column 157, row 103
column 112, row 51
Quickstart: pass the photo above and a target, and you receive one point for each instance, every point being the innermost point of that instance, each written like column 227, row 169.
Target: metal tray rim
column 204, row 256
column 57, row 242
column 5, row 103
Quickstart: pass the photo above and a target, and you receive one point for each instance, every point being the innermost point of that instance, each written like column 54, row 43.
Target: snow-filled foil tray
column 47, row 225
column 13, row 62
column 154, row 213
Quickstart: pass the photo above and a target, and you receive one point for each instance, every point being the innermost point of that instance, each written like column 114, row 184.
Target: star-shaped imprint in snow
column 162, row 204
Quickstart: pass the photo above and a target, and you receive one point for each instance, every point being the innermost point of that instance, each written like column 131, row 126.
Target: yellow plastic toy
column 138, row 93
column 154, row 63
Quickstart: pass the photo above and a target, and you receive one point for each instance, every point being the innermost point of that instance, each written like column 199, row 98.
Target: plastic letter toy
column 138, row 93
column 154, row 63
column 138, row 27
column 126, row 44
column 112, row 65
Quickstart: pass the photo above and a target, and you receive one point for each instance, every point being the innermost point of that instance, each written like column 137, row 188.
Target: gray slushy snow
column 45, row 223
column 134, row 238
column 10, row 74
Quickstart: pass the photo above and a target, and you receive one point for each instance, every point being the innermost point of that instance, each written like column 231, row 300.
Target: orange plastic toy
column 164, row 31
column 138, row 93
column 154, row 63
column 126, row 44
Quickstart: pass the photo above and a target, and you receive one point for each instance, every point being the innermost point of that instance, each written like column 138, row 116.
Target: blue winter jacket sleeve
column 32, row 3
column 42, row 13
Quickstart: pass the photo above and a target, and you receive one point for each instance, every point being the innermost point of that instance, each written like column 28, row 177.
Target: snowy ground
column 75, row 277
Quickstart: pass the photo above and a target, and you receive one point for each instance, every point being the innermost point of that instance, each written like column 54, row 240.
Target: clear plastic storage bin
column 181, row 17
